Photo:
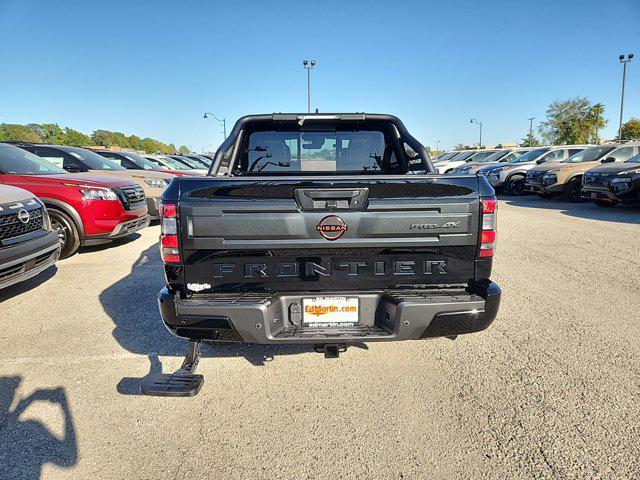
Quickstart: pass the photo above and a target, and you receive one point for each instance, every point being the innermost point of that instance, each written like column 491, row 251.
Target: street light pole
column 531, row 119
column 223, row 121
column 480, row 125
column 437, row 145
column 308, row 66
column 624, row 62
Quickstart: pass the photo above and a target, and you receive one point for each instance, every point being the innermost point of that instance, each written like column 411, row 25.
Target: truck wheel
column 605, row 204
column 68, row 234
column 515, row 186
column 572, row 190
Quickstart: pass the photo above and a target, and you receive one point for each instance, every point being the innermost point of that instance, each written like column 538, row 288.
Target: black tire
column 572, row 190
column 605, row 204
column 515, row 186
column 68, row 233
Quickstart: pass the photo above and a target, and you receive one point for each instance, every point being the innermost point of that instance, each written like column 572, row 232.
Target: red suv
column 85, row 209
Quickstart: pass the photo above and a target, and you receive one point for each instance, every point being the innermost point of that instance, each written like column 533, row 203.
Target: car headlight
column 98, row 193
column 156, row 182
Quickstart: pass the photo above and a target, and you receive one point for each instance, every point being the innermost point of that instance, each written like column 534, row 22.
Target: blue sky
column 152, row 68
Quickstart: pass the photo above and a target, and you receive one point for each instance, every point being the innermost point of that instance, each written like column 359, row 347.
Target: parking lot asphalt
column 551, row 390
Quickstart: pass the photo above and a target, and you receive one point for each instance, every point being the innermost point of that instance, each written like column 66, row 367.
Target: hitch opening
column 330, row 350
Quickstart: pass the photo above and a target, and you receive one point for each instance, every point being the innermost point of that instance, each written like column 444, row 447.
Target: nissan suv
column 85, row 208
column 565, row 178
column 75, row 159
column 510, row 177
column 611, row 183
column 28, row 244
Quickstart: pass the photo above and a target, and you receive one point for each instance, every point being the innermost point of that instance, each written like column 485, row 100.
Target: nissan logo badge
column 24, row 216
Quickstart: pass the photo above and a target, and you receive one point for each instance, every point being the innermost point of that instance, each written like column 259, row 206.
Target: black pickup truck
column 323, row 229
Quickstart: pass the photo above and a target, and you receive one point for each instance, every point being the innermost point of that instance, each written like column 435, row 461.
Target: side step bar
column 183, row 383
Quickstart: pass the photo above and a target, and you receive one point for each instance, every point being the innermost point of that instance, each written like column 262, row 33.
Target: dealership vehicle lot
column 549, row 390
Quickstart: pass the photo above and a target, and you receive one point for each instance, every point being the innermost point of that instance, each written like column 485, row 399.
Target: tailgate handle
column 331, row 199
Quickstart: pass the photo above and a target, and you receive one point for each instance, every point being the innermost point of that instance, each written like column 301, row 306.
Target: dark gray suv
column 28, row 245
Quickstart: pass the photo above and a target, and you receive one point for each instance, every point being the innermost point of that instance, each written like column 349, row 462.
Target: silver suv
column 511, row 177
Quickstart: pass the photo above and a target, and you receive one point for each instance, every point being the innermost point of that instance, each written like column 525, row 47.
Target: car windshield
column 189, row 161
column 589, row 155
column 206, row 163
column 494, row 157
column 173, row 163
column 141, row 162
column 478, row 157
column 530, row 156
column 462, row 156
column 447, row 156
column 15, row 161
column 92, row 159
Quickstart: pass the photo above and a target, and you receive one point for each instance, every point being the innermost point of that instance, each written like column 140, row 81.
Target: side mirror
column 73, row 168
column 538, row 162
column 608, row 160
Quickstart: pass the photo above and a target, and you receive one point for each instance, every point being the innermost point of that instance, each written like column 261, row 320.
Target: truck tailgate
column 323, row 234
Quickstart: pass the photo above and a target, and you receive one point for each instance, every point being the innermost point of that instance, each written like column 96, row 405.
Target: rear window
column 317, row 152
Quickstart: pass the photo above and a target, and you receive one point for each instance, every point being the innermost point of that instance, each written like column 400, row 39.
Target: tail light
column 169, row 233
column 489, row 227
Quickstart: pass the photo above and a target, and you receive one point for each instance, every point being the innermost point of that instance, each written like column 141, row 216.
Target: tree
column 171, row 149
column 75, row 139
column 183, row 150
column 459, row 146
column 103, row 138
column 530, row 141
column 572, row 121
column 10, row 132
column 631, row 129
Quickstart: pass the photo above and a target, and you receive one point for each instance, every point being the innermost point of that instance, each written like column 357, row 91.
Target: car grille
column 14, row 222
column 596, row 179
column 534, row 176
column 132, row 197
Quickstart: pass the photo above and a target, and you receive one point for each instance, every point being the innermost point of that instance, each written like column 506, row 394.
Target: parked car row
column 55, row 199
column 606, row 174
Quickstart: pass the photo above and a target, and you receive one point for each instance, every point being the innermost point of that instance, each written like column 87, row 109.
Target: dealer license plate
column 330, row 311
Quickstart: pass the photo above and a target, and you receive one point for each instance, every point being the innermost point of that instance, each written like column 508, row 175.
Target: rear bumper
column 275, row 319
column 122, row 229
column 26, row 260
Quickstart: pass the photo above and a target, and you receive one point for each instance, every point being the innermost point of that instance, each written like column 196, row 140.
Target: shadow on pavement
column 103, row 246
column 619, row 214
column 27, row 444
column 131, row 304
column 22, row 287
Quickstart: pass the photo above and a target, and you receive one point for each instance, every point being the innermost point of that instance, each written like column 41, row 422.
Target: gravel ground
column 551, row 390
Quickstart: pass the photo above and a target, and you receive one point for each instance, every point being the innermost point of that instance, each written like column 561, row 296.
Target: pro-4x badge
column 331, row 227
